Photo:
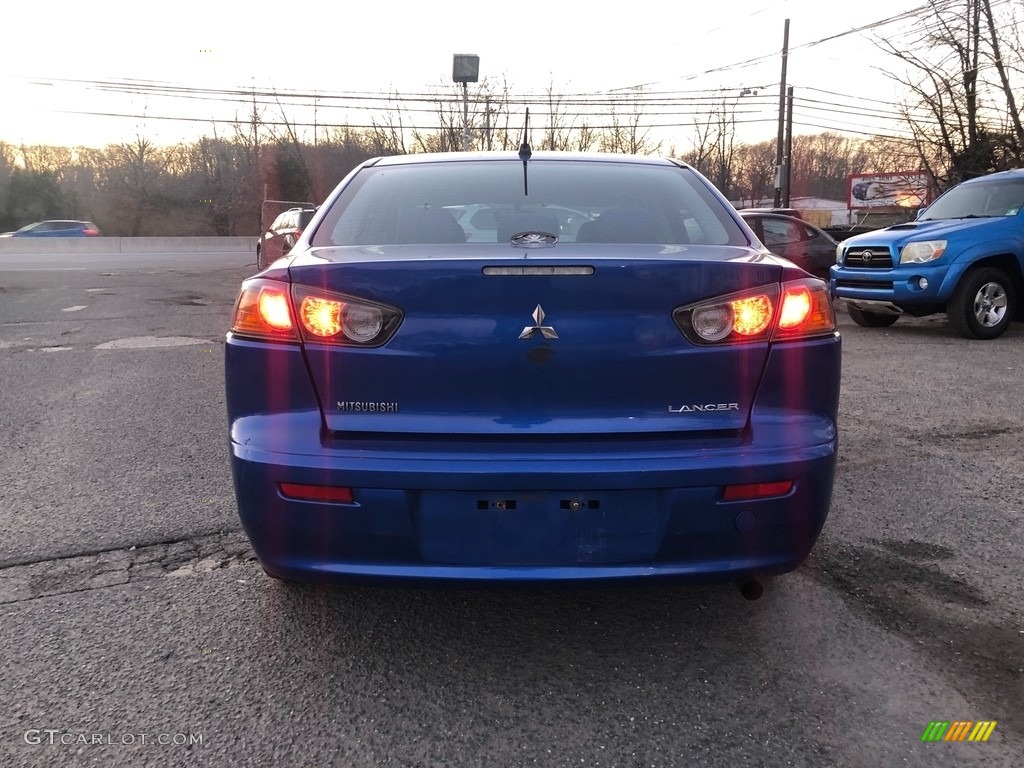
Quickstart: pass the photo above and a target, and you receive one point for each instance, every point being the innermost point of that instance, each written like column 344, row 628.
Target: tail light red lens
column 751, row 491
column 796, row 309
column 263, row 310
column 329, row 493
column 91, row 232
column 806, row 310
column 274, row 309
column 266, row 309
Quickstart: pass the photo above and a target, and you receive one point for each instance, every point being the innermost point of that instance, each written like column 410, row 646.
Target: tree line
column 216, row 185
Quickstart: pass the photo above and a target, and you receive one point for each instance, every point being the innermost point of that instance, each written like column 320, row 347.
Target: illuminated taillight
column 274, row 309
column 806, row 310
column 798, row 309
column 267, row 309
column 338, row 319
column 321, row 317
column 752, row 315
column 263, row 310
column 91, row 232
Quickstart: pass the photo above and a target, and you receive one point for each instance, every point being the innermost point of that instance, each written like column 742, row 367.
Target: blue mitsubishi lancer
column 531, row 368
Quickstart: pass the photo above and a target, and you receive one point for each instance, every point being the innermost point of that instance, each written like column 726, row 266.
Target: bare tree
column 1007, row 56
column 130, row 176
column 755, row 171
column 714, row 145
column 953, row 108
column 559, row 134
column 626, row 134
column 388, row 134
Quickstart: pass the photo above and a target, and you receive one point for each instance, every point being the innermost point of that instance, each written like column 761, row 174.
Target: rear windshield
column 490, row 201
column 982, row 199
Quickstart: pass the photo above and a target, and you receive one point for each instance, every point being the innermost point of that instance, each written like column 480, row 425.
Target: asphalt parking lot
column 138, row 630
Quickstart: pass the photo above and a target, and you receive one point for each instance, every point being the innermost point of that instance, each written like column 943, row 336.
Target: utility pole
column 487, row 121
column 779, row 173
column 788, row 162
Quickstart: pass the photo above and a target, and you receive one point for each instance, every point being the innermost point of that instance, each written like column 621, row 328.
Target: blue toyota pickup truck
column 964, row 255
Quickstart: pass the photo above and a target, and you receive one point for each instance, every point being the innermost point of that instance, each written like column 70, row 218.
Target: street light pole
column 465, row 117
column 465, row 70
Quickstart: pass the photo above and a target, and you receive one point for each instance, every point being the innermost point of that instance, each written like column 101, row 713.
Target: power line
column 661, row 110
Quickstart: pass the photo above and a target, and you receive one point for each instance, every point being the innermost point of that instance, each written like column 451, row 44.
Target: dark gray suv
column 282, row 235
column 810, row 248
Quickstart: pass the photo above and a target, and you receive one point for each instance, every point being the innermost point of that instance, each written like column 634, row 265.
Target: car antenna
column 525, row 152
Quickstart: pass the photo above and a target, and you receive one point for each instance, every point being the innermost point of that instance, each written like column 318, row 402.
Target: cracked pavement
column 132, row 605
column 80, row 573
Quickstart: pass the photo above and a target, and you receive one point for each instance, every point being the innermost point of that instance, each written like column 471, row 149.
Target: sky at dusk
column 81, row 63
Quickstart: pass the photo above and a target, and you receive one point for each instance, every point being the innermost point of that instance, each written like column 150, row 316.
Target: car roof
column 1013, row 173
column 456, row 157
column 791, row 212
column 746, row 212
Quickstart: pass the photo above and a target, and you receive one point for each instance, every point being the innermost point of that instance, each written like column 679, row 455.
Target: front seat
column 620, row 225
column 424, row 225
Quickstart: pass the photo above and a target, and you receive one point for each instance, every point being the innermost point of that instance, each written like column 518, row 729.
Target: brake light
column 90, row 232
column 798, row 309
column 796, row 306
column 274, row 309
column 266, row 309
column 321, row 317
column 751, row 316
column 806, row 310
column 339, row 319
column 263, row 310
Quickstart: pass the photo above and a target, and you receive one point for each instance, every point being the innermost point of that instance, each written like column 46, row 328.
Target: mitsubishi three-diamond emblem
column 545, row 330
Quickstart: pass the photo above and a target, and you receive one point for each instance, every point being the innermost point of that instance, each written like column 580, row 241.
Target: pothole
column 108, row 568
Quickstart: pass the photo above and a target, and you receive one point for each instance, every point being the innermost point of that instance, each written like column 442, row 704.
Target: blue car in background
column 608, row 379
column 964, row 255
column 56, row 228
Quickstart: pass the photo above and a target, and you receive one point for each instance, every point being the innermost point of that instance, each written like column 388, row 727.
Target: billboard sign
column 875, row 191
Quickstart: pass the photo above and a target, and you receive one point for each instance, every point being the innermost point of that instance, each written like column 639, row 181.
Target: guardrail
column 71, row 245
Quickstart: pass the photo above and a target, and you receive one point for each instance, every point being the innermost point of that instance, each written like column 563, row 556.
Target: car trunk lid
column 493, row 345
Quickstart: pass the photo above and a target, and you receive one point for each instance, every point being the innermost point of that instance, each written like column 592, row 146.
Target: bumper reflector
column 756, row 490
column 329, row 493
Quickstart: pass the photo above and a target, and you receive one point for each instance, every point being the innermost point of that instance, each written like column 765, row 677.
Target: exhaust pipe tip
column 751, row 589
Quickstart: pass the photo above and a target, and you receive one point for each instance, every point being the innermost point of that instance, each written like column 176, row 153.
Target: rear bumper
column 641, row 516
column 584, row 508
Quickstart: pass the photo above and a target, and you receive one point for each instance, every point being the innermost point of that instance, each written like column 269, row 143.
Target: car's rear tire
column 983, row 304
column 866, row 319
